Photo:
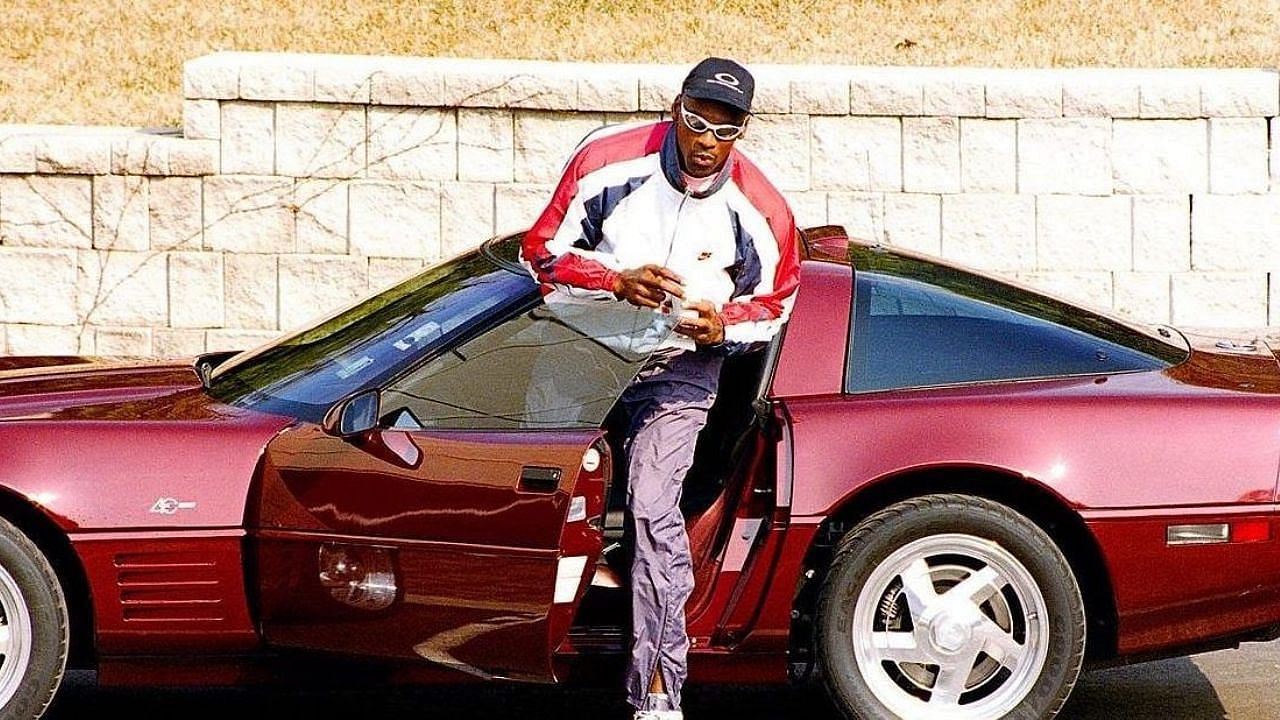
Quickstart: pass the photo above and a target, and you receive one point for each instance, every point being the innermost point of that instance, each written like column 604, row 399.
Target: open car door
column 464, row 528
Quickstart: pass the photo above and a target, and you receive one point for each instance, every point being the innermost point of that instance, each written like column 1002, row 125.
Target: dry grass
column 120, row 61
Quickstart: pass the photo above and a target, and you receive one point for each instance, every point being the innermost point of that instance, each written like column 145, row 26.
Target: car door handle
column 539, row 479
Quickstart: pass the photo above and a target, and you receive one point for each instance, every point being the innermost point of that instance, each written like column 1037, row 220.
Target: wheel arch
column 1027, row 497
column 56, row 546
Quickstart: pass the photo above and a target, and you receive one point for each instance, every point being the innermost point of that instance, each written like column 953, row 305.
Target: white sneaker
column 658, row 700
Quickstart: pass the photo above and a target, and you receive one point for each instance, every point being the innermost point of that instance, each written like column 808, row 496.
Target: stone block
column 251, row 291
column 1275, row 153
column 201, row 120
column 164, row 155
column 1100, row 93
column 659, row 86
column 503, row 84
column 517, row 206
column 71, row 154
column 249, row 214
column 170, row 343
column 857, row 153
column 237, row 339
column 1240, row 93
column 191, row 157
column 1142, row 296
column 315, row 140
column 413, row 144
column 407, row 82
column 122, row 288
column 988, row 155
column 195, row 290
column 212, row 77
column 387, row 272
column 46, row 211
column 320, row 216
column 175, row 210
column 609, row 88
column 1162, row 233
column 313, row 286
column 1165, row 94
column 345, row 80
column 809, row 207
column 1024, row 94
column 931, row 154
column 1219, row 299
column 122, row 342
column 43, row 339
column 1065, row 156
column 1160, row 156
column 284, row 78
column 120, row 220
column 891, row 92
column 773, row 89
column 819, row 91
column 779, row 145
column 1238, row 155
column 545, row 141
column 1084, row 233
column 1088, row 289
column 17, row 153
column 861, row 214
column 913, row 222
column 466, row 216
column 1235, row 232
column 390, row 219
column 994, row 232
column 37, row 286
column 486, row 145
column 248, row 138
column 950, row 94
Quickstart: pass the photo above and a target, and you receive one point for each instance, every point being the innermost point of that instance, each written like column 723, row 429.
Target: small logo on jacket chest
column 704, row 255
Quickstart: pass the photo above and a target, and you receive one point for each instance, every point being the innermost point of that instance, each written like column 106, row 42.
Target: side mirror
column 353, row 415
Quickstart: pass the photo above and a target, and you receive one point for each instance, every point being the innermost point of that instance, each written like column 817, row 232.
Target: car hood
column 127, row 445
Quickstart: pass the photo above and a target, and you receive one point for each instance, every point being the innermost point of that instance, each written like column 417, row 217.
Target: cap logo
column 727, row 80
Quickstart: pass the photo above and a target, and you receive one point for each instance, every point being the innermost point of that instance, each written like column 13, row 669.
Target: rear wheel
column 34, row 629
column 949, row 606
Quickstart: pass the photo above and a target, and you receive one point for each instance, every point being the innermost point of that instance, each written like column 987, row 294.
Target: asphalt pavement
column 1241, row 684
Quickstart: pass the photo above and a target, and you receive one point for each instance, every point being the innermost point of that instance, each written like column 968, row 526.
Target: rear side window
column 924, row 331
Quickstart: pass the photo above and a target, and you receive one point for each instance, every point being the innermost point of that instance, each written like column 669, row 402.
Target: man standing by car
column 668, row 216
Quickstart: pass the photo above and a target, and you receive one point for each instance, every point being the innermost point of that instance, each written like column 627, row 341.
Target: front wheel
column 949, row 607
column 34, row 629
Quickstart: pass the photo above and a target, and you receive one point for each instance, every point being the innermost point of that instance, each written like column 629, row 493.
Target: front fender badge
column 169, row 506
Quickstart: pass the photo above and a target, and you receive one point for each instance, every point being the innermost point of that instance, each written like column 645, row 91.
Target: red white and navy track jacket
column 622, row 203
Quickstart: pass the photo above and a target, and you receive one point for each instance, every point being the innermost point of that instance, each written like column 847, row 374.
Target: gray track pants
column 667, row 406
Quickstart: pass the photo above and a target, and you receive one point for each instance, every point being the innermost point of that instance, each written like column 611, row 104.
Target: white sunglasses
column 698, row 124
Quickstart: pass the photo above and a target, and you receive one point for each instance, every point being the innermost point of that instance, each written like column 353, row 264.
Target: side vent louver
column 169, row 587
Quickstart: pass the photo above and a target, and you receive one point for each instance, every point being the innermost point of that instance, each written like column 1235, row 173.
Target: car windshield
column 436, row 319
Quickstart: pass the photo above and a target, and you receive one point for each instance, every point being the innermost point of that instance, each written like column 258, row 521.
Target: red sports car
column 945, row 491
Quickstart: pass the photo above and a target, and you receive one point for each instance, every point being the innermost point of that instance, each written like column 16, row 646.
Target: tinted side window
column 909, row 333
column 552, row 365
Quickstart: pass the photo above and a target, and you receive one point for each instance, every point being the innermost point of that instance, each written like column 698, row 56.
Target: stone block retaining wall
column 302, row 182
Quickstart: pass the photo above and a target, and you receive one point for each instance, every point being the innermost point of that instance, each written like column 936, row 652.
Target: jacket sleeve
column 559, row 249
column 752, row 318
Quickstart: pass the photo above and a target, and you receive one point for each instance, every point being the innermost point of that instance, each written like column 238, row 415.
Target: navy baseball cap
column 720, row 80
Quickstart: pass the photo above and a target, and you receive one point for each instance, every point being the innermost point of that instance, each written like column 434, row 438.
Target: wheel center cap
column 949, row 635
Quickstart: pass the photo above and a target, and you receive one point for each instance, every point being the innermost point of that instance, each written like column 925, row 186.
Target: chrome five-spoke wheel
column 950, row 607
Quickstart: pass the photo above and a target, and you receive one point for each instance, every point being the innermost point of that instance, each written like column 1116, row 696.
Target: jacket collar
column 669, row 157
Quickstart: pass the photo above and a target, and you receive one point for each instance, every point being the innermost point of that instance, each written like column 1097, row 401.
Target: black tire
column 32, row 606
column 922, row 548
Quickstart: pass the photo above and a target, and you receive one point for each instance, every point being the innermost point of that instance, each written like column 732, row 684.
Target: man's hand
column 706, row 328
column 647, row 286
